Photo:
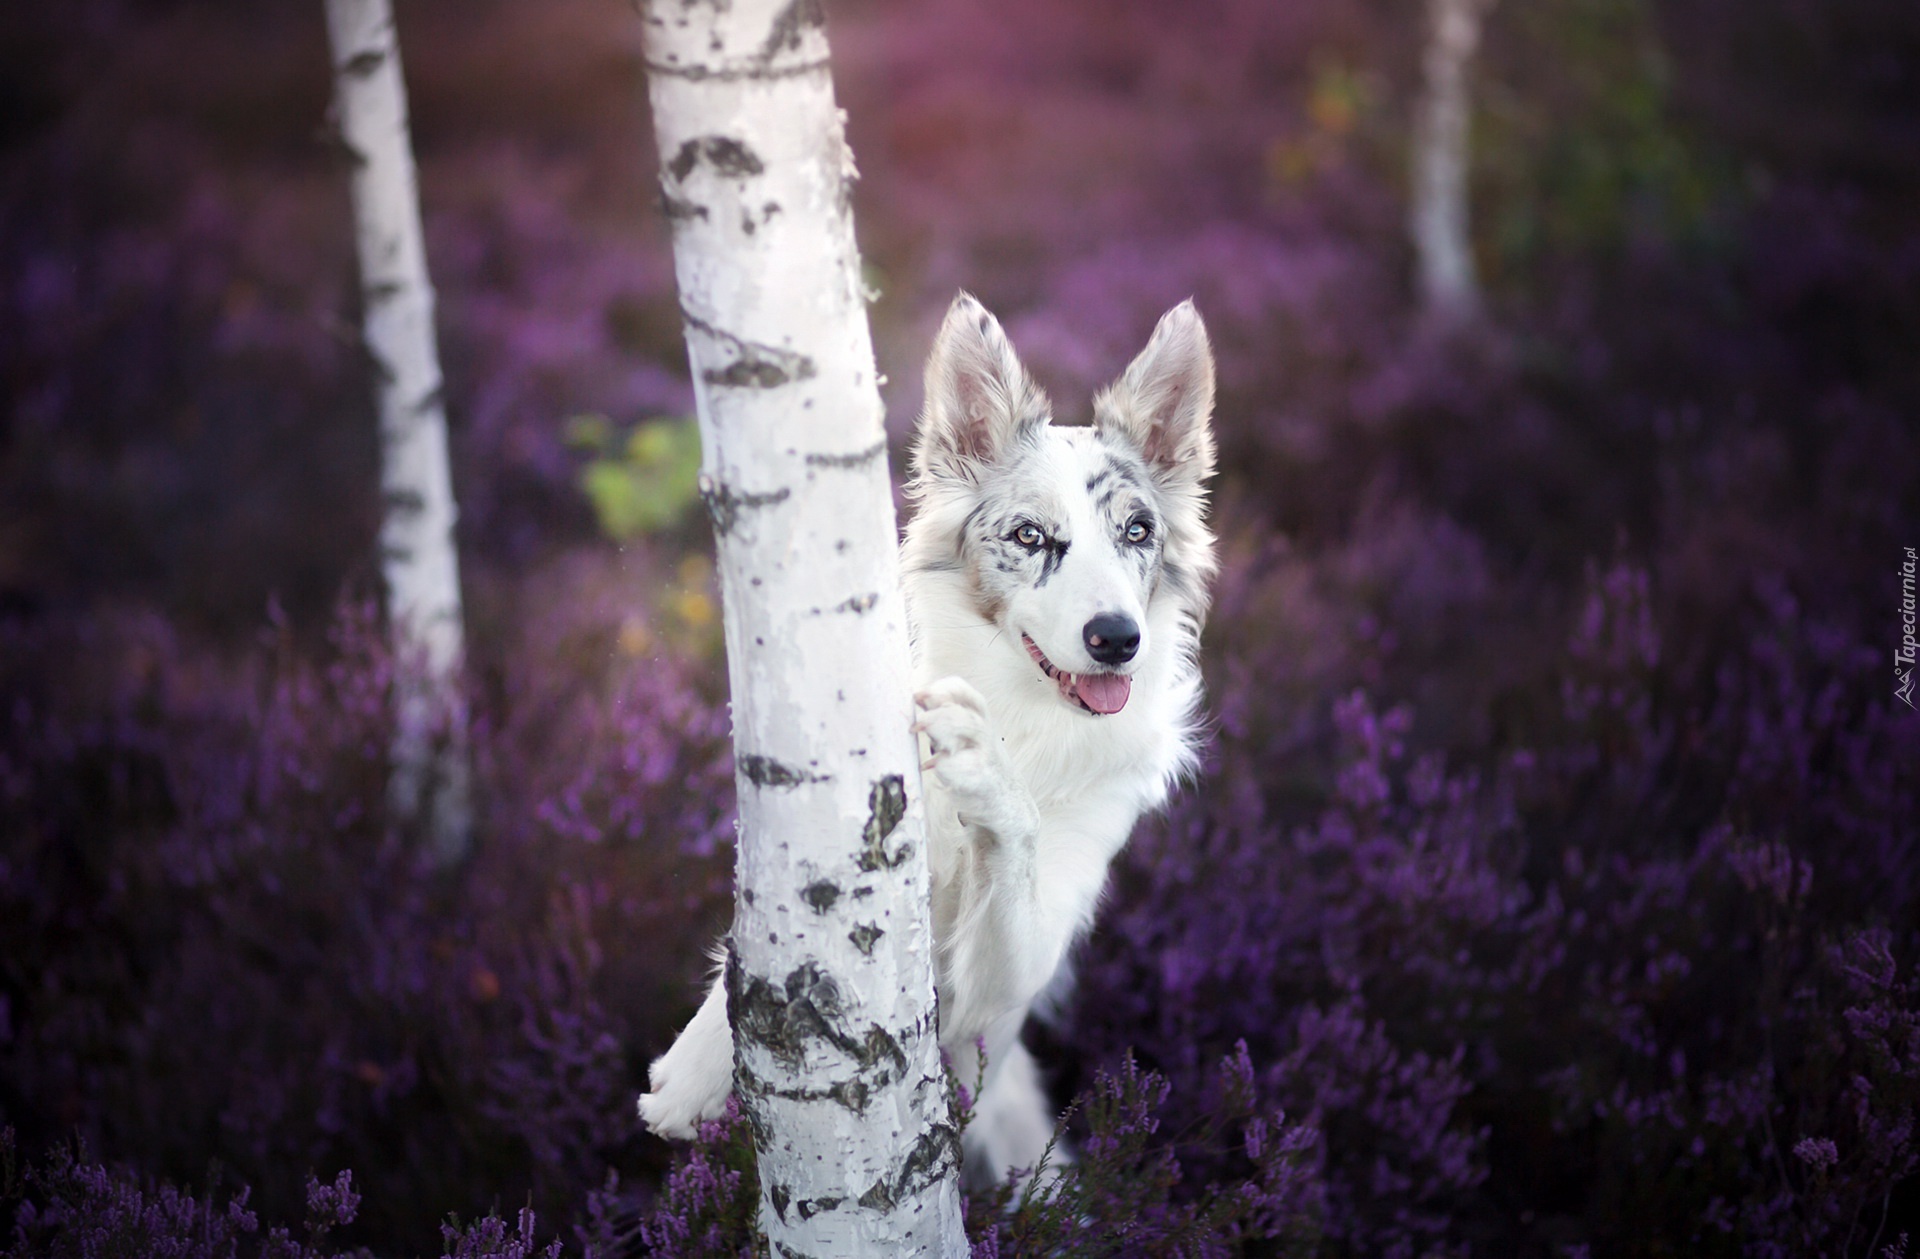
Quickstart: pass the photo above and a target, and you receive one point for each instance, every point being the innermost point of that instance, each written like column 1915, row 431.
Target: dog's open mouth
column 1101, row 693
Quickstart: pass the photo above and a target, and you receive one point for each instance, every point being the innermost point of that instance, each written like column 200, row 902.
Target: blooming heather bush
column 1126, row 1192
column 68, row 1207
column 215, row 944
column 707, row 1207
column 1129, row 1190
column 1228, row 932
column 1593, row 998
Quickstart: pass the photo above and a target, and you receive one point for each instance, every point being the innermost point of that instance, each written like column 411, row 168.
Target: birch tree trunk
column 830, row 975
column 1449, row 289
column 417, row 557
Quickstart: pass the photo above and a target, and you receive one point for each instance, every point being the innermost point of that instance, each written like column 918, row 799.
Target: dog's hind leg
column 1012, row 1118
column 692, row 1080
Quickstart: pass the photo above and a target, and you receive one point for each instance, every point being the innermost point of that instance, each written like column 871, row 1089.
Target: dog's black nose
column 1111, row 638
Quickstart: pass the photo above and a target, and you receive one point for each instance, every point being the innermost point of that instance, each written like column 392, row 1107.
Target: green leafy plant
column 640, row 482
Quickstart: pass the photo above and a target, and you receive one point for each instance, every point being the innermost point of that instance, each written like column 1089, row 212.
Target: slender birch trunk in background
column 1449, row 288
column 830, row 975
column 417, row 557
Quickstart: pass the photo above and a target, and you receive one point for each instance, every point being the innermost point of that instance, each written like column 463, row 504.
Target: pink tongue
column 1103, row 692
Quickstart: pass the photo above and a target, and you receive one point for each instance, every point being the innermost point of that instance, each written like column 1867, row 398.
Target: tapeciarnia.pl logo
column 1903, row 654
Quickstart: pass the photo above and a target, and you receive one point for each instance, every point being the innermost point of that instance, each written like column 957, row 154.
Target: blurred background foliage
column 1608, row 160
column 639, row 482
column 1555, row 857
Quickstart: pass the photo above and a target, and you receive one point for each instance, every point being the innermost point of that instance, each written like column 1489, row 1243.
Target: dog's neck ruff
column 1101, row 694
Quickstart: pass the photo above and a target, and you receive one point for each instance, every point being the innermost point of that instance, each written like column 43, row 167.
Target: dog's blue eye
column 1029, row 535
column 1139, row 531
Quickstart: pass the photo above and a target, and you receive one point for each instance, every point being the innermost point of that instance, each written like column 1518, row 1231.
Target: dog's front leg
column 997, row 949
column 692, row 1080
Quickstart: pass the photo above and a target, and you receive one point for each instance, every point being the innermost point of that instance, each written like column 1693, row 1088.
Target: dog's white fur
column 1030, row 794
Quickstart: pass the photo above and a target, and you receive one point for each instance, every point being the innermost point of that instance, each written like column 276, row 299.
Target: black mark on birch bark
column 750, row 372
column 805, row 1208
column 806, row 1008
column 363, row 64
column 932, row 1155
column 851, row 1095
column 821, row 895
column 865, row 936
column 724, row 506
column 728, row 157
column 764, row 771
column 738, row 73
column 405, row 502
column 857, row 459
column 678, row 208
column 783, row 1020
column 756, row 365
column 799, row 17
column 857, row 604
column 784, row 1251
column 886, row 805
column 880, row 1048
column 333, row 138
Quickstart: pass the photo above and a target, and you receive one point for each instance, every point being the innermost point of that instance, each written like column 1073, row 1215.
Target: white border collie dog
column 1056, row 581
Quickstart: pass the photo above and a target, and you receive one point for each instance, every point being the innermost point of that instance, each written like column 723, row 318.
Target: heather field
column 1551, row 887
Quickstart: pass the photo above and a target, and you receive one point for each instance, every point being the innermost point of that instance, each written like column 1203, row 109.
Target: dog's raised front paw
column 953, row 716
column 964, row 754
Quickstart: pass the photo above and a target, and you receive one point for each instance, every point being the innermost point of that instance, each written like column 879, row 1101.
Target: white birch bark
column 1449, row 288
column 417, row 557
column 830, row 976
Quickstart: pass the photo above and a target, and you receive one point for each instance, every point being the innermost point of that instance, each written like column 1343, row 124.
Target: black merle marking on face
column 997, row 540
column 1122, row 496
column 1052, row 552
column 973, row 518
column 1115, row 490
column 966, row 530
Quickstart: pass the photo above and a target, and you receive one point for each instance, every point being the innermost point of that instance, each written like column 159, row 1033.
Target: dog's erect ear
column 979, row 399
column 1163, row 402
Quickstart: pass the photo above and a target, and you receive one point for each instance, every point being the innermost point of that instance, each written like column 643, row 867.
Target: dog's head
column 1084, row 543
